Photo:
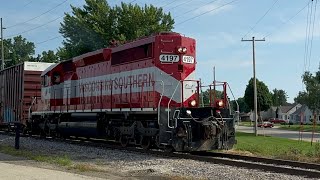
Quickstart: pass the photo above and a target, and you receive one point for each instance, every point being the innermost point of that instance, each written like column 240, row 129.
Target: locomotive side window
column 132, row 54
column 56, row 78
column 45, row 80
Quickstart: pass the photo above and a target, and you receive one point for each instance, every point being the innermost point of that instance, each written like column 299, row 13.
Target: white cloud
column 295, row 32
column 215, row 7
column 216, row 40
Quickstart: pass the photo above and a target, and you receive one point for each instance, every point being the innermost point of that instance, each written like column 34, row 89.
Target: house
column 284, row 112
column 246, row 116
column 280, row 112
column 270, row 113
column 304, row 115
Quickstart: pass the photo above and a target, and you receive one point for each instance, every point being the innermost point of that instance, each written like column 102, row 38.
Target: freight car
column 19, row 84
column 143, row 92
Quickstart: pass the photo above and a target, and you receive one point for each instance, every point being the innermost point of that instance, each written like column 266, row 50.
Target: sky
column 217, row 26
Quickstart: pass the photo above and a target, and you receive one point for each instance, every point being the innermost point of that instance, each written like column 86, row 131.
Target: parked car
column 266, row 125
column 277, row 121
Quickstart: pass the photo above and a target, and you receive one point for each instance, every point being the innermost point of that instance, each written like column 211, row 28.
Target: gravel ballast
column 136, row 164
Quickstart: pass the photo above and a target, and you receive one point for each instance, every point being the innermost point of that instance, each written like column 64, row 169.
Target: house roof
column 274, row 108
column 245, row 114
column 285, row 109
column 300, row 110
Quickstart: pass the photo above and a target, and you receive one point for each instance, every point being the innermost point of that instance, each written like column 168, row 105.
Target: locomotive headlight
column 184, row 50
column 193, row 103
column 220, row 103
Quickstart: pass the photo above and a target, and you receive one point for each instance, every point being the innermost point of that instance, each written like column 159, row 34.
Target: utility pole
column 2, row 48
column 254, row 84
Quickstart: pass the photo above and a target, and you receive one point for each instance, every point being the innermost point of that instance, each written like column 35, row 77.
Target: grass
column 306, row 128
column 248, row 124
column 274, row 147
column 63, row 160
column 59, row 160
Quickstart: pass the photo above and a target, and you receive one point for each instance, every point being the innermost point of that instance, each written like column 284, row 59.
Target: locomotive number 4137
column 169, row 58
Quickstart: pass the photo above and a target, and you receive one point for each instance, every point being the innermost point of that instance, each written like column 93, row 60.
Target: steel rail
column 309, row 170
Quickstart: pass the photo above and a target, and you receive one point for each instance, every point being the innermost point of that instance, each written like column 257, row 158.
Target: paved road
column 306, row 136
column 9, row 169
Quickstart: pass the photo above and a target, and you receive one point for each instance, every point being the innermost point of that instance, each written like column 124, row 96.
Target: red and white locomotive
column 143, row 92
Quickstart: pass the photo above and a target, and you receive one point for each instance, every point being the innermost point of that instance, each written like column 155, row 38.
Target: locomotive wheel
column 124, row 141
column 168, row 149
column 146, row 142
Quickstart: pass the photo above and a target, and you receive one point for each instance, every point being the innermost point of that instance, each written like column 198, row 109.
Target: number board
column 188, row 59
column 169, row 58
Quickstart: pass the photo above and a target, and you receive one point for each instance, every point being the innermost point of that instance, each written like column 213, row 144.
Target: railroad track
column 309, row 170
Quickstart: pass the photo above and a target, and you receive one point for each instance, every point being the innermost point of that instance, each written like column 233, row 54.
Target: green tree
column 49, row 56
column 264, row 99
column 97, row 24
column 243, row 107
column 206, row 96
column 311, row 97
column 279, row 97
column 18, row 50
column 301, row 98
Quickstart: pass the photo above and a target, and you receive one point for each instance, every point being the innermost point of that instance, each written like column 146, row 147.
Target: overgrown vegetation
column 274, row 147
column 61, row 160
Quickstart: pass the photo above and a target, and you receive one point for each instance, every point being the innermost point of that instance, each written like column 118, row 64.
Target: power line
column 207, row 12
column 306, row 43
column 28, row 3
column 185, row 2
column 168, row 3
column 56, row 37
column 261, row 18
column 12, row 35
column 38, row 15
column 289, row 19
column 314, row 17
column 195, row 9
column 176, row 24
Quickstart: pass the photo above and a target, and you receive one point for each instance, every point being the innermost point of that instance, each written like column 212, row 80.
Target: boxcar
column 19, row 85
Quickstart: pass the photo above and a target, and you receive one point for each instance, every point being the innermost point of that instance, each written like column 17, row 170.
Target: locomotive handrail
column 169, row 105
column 67, row 95
column 159, row 103
column 182, row 101
column 238, row 111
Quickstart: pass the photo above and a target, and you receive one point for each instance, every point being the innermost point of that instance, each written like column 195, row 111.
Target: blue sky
column 280, row 60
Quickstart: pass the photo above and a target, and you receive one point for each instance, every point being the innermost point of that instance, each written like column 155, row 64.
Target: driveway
column 306, row 136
